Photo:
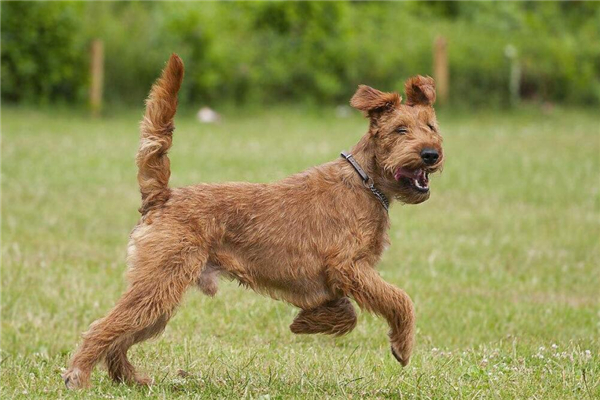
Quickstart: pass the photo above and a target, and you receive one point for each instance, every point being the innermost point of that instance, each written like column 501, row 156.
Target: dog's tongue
column 405, row 173
column 417, row 175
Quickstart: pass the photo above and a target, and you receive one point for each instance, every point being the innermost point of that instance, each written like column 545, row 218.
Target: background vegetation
column 316, row 52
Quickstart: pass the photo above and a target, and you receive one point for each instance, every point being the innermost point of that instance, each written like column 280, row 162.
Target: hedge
column 318, row 52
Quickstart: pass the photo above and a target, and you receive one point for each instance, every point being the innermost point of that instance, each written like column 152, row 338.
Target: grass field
column 503, row 262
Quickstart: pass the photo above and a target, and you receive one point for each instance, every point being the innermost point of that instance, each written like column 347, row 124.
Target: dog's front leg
column 373, row 294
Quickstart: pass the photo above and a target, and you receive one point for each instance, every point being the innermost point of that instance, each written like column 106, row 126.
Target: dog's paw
column 75, row 379
column 402, row 359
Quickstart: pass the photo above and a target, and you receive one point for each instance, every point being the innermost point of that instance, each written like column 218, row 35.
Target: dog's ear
column 372, row 100
column 420, row 90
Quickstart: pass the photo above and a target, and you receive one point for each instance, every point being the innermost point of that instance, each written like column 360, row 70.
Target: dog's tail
column 156, row 135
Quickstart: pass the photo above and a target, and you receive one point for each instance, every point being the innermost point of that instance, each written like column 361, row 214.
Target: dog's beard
column 408, row 195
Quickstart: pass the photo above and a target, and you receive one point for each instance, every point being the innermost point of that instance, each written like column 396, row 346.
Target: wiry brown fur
column 156, row 136
column 312, row 239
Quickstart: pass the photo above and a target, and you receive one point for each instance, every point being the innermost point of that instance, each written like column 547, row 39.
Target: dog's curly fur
column 312, row 239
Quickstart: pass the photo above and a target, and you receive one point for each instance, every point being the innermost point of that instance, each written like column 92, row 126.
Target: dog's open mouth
column 418, row 179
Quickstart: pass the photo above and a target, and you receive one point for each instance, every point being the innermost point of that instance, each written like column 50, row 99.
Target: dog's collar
column 368, row 182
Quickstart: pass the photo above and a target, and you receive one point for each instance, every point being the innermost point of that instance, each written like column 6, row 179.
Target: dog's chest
column 366, row 239
column 379, row 242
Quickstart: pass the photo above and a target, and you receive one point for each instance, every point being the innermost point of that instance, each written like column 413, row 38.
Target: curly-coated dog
column 312, row 239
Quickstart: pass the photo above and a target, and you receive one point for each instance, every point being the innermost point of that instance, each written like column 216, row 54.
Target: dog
column 312, row 239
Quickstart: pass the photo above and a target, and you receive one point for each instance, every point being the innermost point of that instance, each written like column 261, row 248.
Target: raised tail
column 156, row 135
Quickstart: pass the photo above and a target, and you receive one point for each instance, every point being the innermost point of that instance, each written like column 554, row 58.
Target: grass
column 502, row 262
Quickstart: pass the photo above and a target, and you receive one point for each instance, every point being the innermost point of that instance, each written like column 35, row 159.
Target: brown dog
column 312, row 239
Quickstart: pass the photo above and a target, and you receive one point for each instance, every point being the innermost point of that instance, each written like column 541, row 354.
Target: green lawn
column 503, row 262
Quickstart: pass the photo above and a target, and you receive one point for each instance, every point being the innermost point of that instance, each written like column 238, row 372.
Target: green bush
column 42, row 52
column 301, row 51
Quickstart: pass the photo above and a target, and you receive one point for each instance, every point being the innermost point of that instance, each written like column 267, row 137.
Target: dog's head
column 403, row 139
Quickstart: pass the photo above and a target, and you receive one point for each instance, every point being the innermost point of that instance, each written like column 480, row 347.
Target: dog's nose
column 429, row 156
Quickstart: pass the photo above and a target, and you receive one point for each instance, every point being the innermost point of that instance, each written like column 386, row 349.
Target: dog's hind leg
column 154, row 293
column 336, row 317
column 119, row 367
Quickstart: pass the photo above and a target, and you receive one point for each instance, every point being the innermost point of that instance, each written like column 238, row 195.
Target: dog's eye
column 431, row 127
column 402, row 130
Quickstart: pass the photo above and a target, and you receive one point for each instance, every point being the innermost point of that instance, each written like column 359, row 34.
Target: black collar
column 368, row 182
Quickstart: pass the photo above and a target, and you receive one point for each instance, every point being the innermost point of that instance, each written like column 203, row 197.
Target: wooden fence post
column 97, row 76
column 514, row 81
column 440, row 69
